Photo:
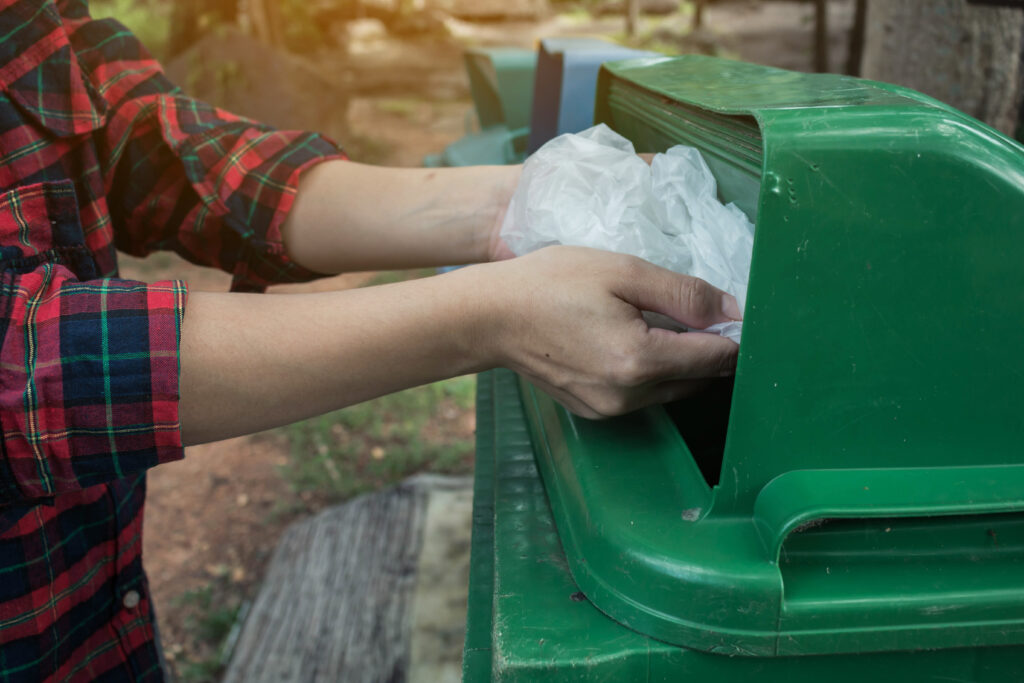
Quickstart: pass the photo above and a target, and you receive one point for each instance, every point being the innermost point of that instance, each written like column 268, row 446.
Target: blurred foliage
column 150, row 20
column 303, row 33
column 157, row 22
column 224, row 75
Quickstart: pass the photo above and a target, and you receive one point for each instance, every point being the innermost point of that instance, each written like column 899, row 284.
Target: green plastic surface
column 867, row 493
column 528, row 620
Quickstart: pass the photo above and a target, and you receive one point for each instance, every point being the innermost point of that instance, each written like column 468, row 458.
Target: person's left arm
column 185, row 176
column 228, row 192
column 349, row 216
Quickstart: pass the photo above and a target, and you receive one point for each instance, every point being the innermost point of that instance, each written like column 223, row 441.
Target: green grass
column 212, row 614
column 370, row 445
column 380, row 442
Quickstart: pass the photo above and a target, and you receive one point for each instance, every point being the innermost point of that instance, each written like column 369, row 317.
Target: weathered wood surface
column 968, row 56
column 338, row 600
column 442, row 586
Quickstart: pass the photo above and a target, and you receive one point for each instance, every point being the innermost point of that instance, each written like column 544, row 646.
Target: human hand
column 569, row 319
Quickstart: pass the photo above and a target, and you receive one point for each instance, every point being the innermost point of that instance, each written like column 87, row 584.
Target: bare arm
column 569, row 318
column 349, row 216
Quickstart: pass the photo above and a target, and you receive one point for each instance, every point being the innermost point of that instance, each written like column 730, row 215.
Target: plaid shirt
column 100, row 151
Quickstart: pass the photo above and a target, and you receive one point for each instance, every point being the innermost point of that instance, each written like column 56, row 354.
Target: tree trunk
column 632, row 16
column 265, row 18
column 187, row 21
column 184, row 29
column 856, row 42
column 821, row 36
column 697, row 22
column 967, row 56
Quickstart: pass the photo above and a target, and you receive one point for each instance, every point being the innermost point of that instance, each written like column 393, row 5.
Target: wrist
column 483, row 314
column 505, row 182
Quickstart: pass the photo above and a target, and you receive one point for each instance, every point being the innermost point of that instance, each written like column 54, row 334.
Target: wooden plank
column 442, row 587
column 336, row 603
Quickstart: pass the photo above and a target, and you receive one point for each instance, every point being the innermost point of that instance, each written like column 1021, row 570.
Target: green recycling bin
column 851, row 505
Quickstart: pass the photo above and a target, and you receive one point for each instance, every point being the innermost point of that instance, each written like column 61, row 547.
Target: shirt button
column 131, row 599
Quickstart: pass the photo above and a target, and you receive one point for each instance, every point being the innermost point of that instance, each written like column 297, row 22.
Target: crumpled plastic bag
column 591, row 189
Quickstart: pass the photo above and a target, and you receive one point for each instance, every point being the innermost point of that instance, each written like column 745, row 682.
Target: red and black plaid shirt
column 99, row 151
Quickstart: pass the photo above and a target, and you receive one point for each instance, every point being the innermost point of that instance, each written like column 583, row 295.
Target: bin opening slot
column 703, row 420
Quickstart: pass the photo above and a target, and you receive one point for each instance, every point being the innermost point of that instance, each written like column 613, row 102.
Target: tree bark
column 821, row 36
column 697, row 22
column 188, row 25
column 632, row 16
column 967, row 56
column 265, row 17
column 856, row 42
column 184, row 29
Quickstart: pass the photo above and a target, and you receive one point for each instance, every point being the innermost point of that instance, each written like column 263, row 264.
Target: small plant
column 213, row 610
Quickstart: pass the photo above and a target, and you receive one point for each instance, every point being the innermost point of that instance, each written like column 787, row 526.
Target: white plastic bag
column 591, row 189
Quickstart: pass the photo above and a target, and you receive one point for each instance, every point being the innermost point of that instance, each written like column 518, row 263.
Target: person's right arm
column 567, row 318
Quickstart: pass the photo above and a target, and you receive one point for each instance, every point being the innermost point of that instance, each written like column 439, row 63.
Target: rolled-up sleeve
column 88, row 366
column 88, row 380
column 186, row 176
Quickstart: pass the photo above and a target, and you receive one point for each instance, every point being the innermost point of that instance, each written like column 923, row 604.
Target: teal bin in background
column 523, row 98
column 563, row 90
column 851, row 506
column 501, row 83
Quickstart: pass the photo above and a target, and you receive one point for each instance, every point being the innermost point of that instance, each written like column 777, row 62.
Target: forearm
column 350, row 216
column 252, row 362
column 567, row 318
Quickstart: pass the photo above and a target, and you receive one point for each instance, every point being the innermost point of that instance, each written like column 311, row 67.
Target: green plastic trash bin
column 851, row 505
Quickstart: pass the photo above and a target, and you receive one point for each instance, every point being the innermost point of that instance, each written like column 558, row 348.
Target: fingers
column 689, row 300
column 609, row 361
column 691, row 355
column 574, row 405
column 671, row 366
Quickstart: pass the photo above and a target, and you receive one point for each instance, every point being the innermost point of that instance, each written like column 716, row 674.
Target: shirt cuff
column 90, row 378
column 266, row 260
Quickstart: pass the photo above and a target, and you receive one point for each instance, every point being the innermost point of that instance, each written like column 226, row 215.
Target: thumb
column 690, row 300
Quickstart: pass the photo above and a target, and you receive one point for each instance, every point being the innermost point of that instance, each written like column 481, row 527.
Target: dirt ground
column 213, row 519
